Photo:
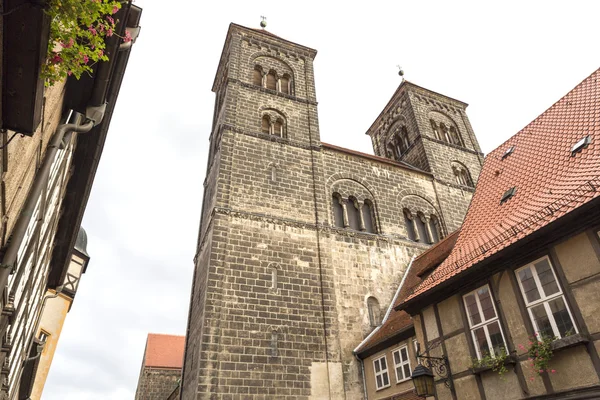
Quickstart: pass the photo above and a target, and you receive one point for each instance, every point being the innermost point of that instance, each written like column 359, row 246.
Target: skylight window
column 508, row 152
column 508, row 194
column 582, row 144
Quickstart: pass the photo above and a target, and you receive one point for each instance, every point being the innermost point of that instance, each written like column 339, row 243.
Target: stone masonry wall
column 157, row 384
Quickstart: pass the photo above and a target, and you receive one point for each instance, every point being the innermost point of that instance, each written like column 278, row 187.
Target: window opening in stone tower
column 284, row 84
column 265, row 126
column 271, row 81
column 274, row 277
column 408, row 223
column 435, row 228
column 367, row 212
column 338, row 210
column 421, row 228
column 257, row 76
column 274, row 340
column 436, row 131
column 353, row 213
column 374, row 311
column 278, row 127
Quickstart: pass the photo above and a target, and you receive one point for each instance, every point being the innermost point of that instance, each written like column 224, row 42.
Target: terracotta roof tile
column 398, row 321
column 164, row 351
column 550, row 182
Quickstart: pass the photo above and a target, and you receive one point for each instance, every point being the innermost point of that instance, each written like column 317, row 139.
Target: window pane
column 486, row 303
column 406, row 371
column 377, row 369
column 495, row 337
column 386, row 380
column 383, row 363
column 541, row 320
column 562, row 317
column 397, row 357
column 404, row 354
column 399, row 373
column 544, row 271
column 472, row 309
column 529, row 287
column 378, row 378
column 481, row 341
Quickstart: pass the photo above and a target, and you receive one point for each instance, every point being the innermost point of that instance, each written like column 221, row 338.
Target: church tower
column 302, row 244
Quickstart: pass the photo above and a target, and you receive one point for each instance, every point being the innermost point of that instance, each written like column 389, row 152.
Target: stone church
column 302, row 244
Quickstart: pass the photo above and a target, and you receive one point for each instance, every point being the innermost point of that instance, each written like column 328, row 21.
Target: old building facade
column 302, row 244
column 161, row 368
column 51, row 142
column 512, row 302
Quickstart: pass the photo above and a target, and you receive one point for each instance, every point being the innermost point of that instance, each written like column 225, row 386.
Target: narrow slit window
column 274, row 343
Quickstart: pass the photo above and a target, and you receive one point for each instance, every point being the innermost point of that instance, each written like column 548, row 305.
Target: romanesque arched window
column 409, row 224
column 367, row 214
column 257, row 76
column 454, row 136
column 284, row 84
column 273, row 123
column 435, row 228
column 462, row 175
column 352, row 210
column 338, row 210
column 421, row 225
column 374, row 311
column 436, row 130
column 272, row 80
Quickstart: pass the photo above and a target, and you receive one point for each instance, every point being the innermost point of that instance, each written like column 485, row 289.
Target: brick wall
column 157, row 384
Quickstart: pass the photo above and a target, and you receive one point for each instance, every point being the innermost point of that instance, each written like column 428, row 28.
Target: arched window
column 274, row 343
column 374, row 311
column 274, row 277
column 410, row 228
column 466, row 178
column 435, row 228
column 404, row 138
column 436, row 131
column 421, row 228
column 445, row 133
column 257, row 76
column 367, row 213
column 265, row 126
column 461, row 174
column 273, row 173
column 338, row 210
column 278, row 127
column 271, row 80
column 284, row 84
column 353, row 213
column 455, row 138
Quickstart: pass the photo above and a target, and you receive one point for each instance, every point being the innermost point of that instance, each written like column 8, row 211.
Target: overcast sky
column 509, row 61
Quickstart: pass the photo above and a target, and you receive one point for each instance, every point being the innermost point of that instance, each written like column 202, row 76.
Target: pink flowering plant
column 78, row 30
column 539, row 351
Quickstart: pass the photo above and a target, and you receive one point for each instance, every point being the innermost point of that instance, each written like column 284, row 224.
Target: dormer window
column 580, row 145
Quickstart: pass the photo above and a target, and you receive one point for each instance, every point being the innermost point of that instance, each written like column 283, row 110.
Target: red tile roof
column 164, row 351
column 550, row 182
column 398, row 321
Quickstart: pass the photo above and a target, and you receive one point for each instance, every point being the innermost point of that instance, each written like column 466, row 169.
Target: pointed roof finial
column 263, row 22
column 400, row 71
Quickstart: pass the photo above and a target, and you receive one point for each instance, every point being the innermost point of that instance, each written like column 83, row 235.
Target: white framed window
column 544, row 299
column 483, row 321
column 382, row 378
column 401, row 364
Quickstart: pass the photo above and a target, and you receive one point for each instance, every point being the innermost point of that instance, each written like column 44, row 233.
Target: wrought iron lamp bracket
column 439, row 365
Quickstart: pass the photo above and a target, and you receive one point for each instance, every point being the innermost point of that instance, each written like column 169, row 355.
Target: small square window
column 582, row 144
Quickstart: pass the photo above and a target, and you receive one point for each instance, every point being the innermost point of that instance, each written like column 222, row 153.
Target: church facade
column 302, row 244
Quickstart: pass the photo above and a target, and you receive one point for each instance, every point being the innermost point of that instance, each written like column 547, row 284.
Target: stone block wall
column 157, row 383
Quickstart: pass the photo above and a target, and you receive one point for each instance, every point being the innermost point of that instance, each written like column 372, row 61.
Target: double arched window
column 273, row 123
column 352, row 214
column 421, row 227
column 461, row 174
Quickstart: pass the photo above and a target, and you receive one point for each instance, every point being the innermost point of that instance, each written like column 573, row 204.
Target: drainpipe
column 362, row 373
column 94, row 116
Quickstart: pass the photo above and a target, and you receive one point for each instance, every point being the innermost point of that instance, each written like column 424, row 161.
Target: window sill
column 510, row 360
column 403, row 380
column 570, row 341
column 383, row 387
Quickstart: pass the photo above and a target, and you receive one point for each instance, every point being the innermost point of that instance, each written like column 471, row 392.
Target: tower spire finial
column 400, row 71
column 263, row 21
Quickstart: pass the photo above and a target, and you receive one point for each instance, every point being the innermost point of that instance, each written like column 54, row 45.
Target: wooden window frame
column 484, row 323
column 381, row 372
column 402, row 363
column 545, row 300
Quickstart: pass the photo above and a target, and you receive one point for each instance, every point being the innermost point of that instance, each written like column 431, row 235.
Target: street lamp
column 422, row 378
